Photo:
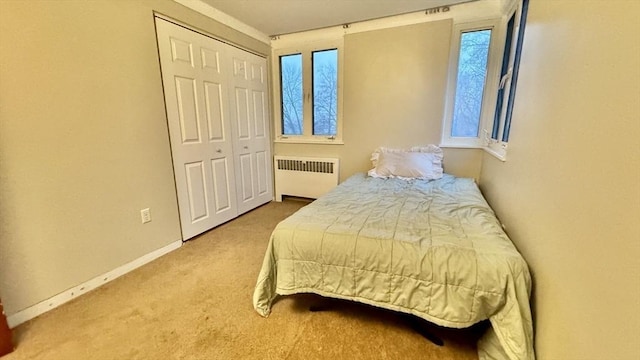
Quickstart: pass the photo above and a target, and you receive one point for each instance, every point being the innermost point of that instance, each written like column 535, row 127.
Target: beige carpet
column 195, row 303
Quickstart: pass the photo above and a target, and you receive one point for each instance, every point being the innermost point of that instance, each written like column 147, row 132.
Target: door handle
column 219, row 151
column 246, row 147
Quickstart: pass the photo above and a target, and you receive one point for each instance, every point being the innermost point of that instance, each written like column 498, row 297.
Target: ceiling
column 275, row 17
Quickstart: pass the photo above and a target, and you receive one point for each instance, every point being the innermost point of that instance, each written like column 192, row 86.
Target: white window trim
column 491, row 83
column 305, row 47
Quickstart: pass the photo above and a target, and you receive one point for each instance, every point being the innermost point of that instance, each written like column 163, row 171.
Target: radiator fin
column 308, row 166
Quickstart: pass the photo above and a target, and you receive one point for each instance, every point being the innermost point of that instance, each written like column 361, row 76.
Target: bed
column 431, row 248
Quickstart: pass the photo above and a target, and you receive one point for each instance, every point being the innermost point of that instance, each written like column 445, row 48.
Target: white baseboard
column 70, row 294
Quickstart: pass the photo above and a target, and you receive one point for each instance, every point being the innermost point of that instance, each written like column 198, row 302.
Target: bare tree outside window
column 472, row 72
column 325, row 92
column 309, row 94
column 291, row 88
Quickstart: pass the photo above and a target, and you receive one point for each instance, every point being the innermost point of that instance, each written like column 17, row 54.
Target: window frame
column 497, row 141
column 494, row 126
column 490, row 87
column 282, row 110
column 307, row 49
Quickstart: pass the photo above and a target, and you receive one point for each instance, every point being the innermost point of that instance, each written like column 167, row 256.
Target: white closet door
column 250, row 116
column 196, row 95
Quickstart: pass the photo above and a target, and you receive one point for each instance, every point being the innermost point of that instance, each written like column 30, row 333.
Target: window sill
column 499, row 151
column 306, row 140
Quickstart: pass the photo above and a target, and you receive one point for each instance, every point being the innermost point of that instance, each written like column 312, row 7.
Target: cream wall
column 84, row 143
column 569, row 192
column 394, row 90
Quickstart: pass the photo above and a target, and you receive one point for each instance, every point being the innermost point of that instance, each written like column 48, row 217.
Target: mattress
column 434, row 249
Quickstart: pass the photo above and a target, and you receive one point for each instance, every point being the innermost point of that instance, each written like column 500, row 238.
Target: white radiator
column 304, row 176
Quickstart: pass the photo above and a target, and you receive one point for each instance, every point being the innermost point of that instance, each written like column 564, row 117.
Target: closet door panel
column 187, row 110
column 195, row 73
column 242, row 113
column 246, row 178
column 252, row 143
column 262, row 161
column 222, row 191
column 215, row 106
column 259, row 116
column 197, row 191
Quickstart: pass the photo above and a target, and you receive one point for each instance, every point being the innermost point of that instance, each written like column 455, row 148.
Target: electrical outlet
column 145, row 214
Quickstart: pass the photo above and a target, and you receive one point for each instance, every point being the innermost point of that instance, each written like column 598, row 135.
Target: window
column 509, row 73
column 308, row 94
column 482, row 82
column 325, row 92
column 291, row 94
column 504, row 73
column 472, row 73
column 469, row 97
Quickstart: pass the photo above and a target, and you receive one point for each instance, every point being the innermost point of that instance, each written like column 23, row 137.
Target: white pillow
column 417, row 163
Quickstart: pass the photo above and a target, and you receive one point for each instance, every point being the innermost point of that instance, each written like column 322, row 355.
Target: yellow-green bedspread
column 433, row 249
